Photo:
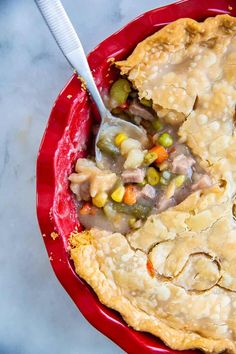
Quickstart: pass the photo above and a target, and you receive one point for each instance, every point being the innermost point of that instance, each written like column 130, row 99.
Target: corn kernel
column 179, row 180
column 100, row 199
column 153, row 176
column 119, row 138
column 118, row 194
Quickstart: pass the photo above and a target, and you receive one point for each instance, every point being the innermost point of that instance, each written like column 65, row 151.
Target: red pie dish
column 67, row 138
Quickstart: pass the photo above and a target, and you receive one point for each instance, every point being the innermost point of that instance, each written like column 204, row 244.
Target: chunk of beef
column 204, row 181
column 137, row 109
column 133, row 175
column 182, row 164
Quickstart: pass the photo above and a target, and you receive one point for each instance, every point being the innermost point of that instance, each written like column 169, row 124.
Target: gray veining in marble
column 36, row 314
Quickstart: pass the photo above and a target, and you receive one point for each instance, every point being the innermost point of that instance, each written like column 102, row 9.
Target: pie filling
column 149, row 177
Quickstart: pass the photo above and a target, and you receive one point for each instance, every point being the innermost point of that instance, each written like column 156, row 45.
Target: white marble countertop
column 36, row 314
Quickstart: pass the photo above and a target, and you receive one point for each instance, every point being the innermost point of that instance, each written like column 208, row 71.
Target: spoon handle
column 68, row 41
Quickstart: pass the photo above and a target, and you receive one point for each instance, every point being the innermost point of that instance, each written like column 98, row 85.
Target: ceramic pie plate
column 67, row 137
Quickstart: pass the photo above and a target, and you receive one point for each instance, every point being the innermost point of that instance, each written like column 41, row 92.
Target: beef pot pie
column 159, row 244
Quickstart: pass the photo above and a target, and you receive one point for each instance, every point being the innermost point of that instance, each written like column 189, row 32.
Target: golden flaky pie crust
column 176, row 276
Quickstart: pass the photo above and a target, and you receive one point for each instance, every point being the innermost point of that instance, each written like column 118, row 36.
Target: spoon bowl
column 109, row 127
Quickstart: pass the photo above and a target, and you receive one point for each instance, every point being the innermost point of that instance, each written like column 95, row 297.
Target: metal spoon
column 68, row 41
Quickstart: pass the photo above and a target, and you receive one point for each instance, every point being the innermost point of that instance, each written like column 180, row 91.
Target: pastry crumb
column 83, row 83
column 110, row 60
column 54, row 235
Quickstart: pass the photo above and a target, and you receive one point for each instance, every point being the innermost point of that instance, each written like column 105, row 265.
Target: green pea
column 165, row 178
column 166, row 175
column 153, row 176
column 149, row 158
column 165, row 140
column 157, row 125
column 120, row 90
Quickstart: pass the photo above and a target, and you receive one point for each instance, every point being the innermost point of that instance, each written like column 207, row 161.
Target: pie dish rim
column 104, row 319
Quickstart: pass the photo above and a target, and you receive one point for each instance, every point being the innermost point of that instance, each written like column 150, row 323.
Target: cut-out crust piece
column 189, row 298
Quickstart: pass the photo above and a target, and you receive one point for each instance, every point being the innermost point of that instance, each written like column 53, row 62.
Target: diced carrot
column 87, row 209
column 161, row 152
column 130, row 196
column 150, row 268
